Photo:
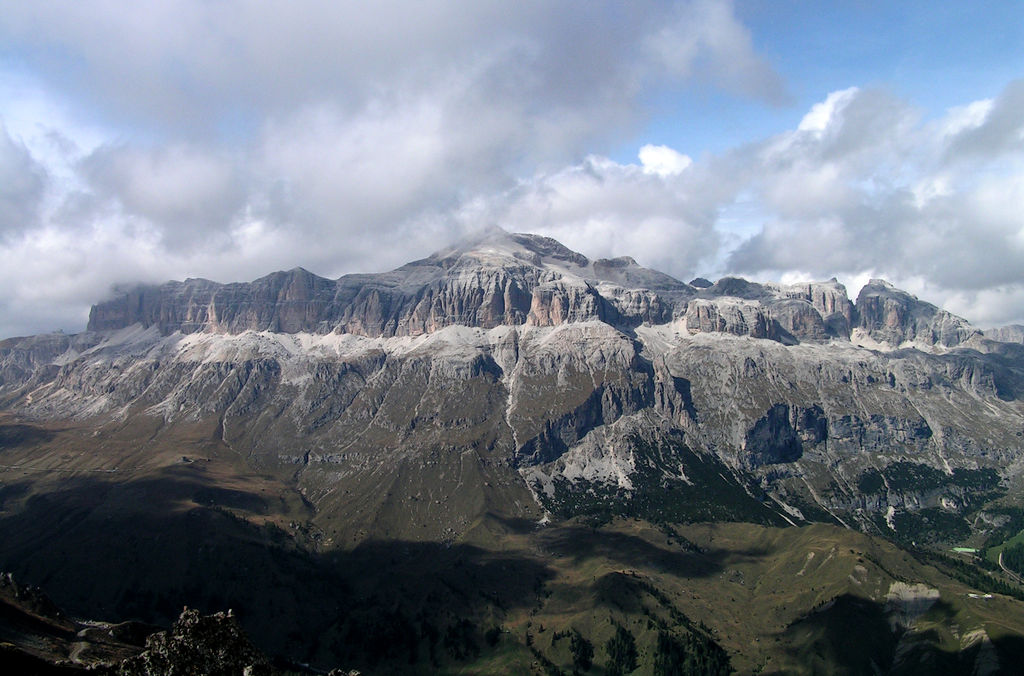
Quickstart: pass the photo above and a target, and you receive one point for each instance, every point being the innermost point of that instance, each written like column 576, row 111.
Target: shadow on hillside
column 855, row 635
column 20, row 434
column 580, row 543
column 141, row 550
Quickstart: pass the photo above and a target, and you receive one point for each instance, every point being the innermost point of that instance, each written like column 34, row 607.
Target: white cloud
column 662, row 160
column 606, row 209
column 995, row 128
column 225, row 140
column 188, row 194
column 863, row 184
column 821, row 115
column 228, row 139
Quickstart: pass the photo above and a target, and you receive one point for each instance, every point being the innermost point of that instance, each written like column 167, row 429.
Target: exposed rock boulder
column 214, row 645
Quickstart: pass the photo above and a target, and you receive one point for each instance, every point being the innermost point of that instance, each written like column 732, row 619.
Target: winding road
column 1009, row 572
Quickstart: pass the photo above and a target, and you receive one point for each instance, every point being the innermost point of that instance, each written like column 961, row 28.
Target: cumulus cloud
column 662, row 160
column 864, row 184
column 991, row 128
column 196, row 66
column 187, row 194
column 230, row 139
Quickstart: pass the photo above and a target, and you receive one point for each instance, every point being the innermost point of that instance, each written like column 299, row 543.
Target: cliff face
column 890, row 315
column 501, row 280
column 1012, row 333
column 525, row 280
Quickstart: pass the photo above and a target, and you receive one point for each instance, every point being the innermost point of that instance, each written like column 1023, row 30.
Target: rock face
column 506, row 279
column 828, row 299
column 729, row 315
column 500, row 279
column 198, row 644
column 512, row 374
column 892, row 316
column 1012, row 333
column 779, row 436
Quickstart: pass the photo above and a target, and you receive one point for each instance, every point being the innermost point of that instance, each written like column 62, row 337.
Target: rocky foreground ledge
column 37, row 637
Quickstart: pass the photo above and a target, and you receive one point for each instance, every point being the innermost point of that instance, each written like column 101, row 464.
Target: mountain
column 1011, row 333
column 396, row 438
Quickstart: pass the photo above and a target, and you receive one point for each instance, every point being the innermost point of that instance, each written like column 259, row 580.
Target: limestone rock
column 799, row 318
column 1012, row 333
column 892, row 316
column 830, row 301
column 729, row 315
column 537, row 362
column 498, row 279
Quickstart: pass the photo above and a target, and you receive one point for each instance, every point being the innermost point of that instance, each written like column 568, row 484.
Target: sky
column 771, row 139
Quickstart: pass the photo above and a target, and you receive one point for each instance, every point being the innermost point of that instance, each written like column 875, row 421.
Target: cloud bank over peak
column 864, row 183
column 225, row 140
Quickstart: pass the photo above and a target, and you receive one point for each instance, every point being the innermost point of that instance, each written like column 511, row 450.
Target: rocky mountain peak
column 1011, row 333
column 495, row 247
column 893, row 316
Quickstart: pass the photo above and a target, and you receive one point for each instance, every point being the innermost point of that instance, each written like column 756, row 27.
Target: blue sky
column 937, row 55
column 772, row 139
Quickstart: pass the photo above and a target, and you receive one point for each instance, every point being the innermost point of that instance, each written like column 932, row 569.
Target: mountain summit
column 494, row 279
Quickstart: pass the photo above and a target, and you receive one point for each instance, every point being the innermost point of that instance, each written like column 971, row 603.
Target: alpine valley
column 508, row 458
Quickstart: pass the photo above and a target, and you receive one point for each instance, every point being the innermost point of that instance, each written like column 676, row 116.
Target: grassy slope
column 160, row 533
column 754, row 586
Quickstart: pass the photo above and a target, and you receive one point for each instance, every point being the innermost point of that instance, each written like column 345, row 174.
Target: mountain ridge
column 518, row 279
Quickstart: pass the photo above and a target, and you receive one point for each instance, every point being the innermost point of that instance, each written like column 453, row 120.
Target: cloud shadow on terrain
column 143, row 549
column 580, row 542
column 21, row 434
column 854, row 635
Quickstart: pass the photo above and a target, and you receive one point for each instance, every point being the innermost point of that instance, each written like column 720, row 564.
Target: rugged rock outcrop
column 500, row 279
column 779, row 436
column 799, row 319
column 729, row 315
column 37, row 637
column 892, row 316
column 504, row 279
column 829, row 300
column 198, row 644
column 1012, row 333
